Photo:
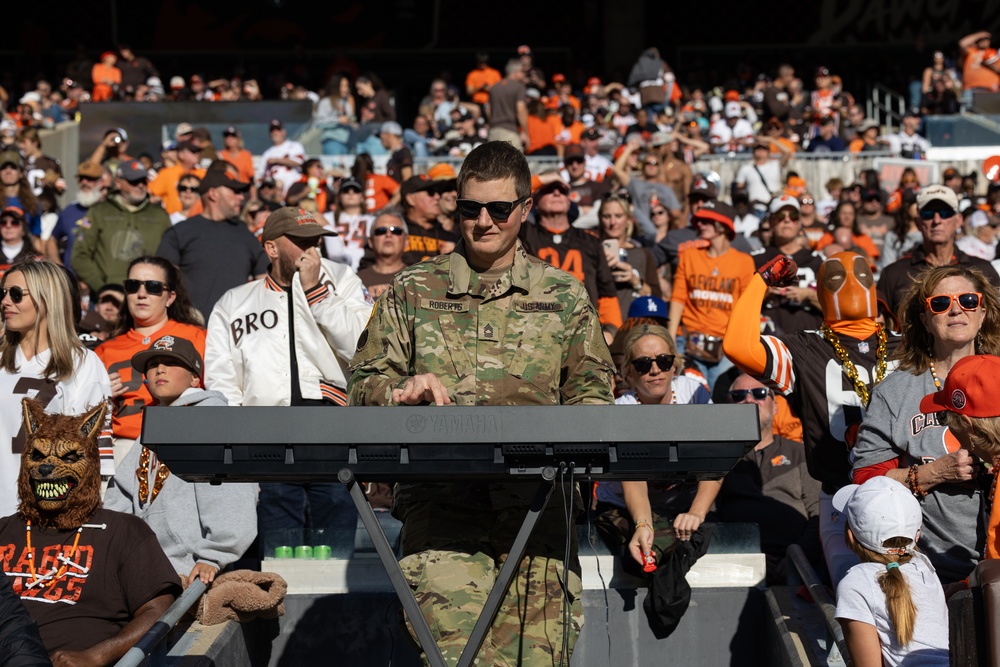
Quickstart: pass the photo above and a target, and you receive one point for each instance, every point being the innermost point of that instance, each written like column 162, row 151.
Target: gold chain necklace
column 850, row 370
column 142, row 473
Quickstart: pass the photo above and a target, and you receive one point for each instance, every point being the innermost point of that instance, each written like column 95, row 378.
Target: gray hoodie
column 194, row 522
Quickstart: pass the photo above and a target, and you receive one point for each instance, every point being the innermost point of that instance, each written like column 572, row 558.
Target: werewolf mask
column 60, row 480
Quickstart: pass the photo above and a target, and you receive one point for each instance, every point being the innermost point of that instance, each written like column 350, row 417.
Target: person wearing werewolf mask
column 93, row 580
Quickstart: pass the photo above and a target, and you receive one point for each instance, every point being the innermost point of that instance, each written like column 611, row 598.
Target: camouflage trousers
column 453, row 556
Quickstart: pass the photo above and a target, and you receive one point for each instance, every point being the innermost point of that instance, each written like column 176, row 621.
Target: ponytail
column 898, row 599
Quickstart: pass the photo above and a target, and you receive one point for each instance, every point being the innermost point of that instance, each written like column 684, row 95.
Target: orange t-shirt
column 116, row 354
column 379, row 189
column 103, row 78
column 708, row 287
column 479, row 77
column 863, row 241
column 243, row 161
column 974, row 75
column 540, row 133
column 164, row 186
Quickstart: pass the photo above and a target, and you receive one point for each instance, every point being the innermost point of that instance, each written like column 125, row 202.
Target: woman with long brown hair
column 950, row 312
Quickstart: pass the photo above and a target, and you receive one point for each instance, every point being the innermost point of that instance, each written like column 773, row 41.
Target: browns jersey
column 804, row 368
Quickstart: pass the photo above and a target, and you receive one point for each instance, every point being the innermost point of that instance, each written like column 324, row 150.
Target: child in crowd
column 969, row 408
column 891, row 605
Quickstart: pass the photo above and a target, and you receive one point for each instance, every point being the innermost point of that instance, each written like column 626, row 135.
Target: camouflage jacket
column 533, row 338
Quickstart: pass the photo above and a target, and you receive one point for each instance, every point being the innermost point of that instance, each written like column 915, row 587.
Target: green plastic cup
column 322, row 552
column 282, row 552
column 304, row 551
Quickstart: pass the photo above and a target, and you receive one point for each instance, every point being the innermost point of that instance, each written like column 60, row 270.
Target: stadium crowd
column 207, row 258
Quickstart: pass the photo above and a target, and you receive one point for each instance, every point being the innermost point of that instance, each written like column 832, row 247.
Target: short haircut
column 389, row 213
column 513, row 66
column 496, row 161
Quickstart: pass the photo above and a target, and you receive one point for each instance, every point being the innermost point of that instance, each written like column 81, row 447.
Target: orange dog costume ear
column 846, row 288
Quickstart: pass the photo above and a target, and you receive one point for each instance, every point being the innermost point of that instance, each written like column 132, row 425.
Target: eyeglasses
column 107, row 298
column 790, row 215
column 929, row 213
column 941, row 303
column 382, row 231
column 664, row 362
column 350, row 189
column 574, row 160
column 136, row 184
column 740, row 395
column 651, row 163
column 660, row 212
column 10, row 222
column 153, row 287
column 806, row 201
column 16, row 293
column 498, row 210
column 187, row 188
column 86, row 179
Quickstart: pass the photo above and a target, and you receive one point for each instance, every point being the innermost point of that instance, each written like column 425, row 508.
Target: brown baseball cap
column 289, row 221
column 169, row 346
column 90, row 170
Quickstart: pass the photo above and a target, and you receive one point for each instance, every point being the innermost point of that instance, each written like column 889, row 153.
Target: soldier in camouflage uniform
column 486, row 325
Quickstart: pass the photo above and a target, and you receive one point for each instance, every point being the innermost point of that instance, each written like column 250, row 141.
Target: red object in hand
column 650, row 565
column 779, row 272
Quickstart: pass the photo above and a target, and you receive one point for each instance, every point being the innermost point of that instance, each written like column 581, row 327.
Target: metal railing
column 822, row 600
column 162, row 627
column 886, row 107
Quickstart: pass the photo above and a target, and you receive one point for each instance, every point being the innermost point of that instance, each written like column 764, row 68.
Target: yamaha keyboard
column 400, row 443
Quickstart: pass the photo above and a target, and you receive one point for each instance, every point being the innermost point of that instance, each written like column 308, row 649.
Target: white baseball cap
column 878, row 510
column 733, row 110
column 784, row 201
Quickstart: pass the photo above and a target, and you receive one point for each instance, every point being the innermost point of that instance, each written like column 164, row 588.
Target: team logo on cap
column 305, row 218
column 958, row 399
column 165, row 343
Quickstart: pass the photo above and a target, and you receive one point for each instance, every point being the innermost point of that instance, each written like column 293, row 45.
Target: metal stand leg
column 508, row 570
column 391, row 565
column 402, row 588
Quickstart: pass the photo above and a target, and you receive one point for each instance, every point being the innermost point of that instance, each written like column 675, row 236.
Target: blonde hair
column 982, row 433
column 898, row 599
column 48, row 288
column 917, row 344
column 641, row 331
column 626, row 208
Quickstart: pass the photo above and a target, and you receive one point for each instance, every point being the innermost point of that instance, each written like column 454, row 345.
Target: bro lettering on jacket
column 246, row 325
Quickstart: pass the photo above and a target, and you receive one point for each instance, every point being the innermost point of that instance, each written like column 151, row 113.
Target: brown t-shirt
column 375, row 282
column 504, row 97
column 125, row 569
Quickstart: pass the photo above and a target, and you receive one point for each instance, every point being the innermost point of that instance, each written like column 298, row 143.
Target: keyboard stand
column 402, row 587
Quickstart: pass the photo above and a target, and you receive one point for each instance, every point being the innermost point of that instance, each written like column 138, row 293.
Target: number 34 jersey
column 804, row 367
column 117, row 354
column 87, row 387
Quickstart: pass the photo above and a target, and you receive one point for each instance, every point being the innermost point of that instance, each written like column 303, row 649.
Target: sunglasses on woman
column 941, row 303
column 644, row 364
column 740, row 395
column 16, row 293
column 153, row 287
column 187, row 188
column 498, row 210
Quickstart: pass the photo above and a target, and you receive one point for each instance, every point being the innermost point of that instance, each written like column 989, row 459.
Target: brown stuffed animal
column 242, row 595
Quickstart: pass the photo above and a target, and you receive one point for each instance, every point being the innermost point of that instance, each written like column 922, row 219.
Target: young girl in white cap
column 891, row 605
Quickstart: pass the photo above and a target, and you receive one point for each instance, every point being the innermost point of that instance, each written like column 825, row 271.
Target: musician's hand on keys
column 420, row 389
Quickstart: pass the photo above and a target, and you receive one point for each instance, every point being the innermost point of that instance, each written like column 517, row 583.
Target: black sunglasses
column 740, row 395
column 469, row 209
column 350, row 188
column 108, row 298
column 644, row 364
column 16, row 293
column 941, row 303
column 574, row 160
column 187, row 188
column 153, row 287
column 136, row 184
column 928, row 213
column 382, row 231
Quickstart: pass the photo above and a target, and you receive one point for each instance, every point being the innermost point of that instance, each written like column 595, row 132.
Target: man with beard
column 59, row 246
column 93, row 580
column 214, row 251
column 286, row 339
column 124, row 226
